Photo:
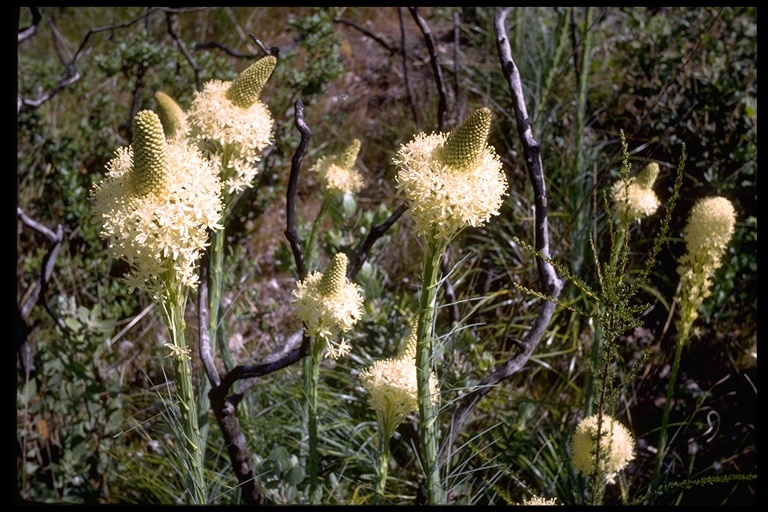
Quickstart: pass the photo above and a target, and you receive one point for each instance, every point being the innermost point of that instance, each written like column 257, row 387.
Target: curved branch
column 363, row 249
column 551, row 284
column 31, row 30
column 184, row 51
column 408, row 91
column 383, row 42
column 38, row 293
column 293, row 181
column 203, row 324
column 429, row 39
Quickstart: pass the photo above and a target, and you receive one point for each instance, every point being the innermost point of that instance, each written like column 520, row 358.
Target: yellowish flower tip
column 171, row 115
column 246, row 88
column 616, row 446
column 409, row 346
column 149, row 159
column 347, row 158
column 636, row 199
column 647, row 177
column 467, row 141
column 334, row 276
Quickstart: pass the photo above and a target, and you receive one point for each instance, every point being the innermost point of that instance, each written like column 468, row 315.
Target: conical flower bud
column 149, row 157
column 467, row 140
column 648, row 175
column 347, row 158
column 335, row 275
column 409, row 346
column 245, row 89
column 171, row 114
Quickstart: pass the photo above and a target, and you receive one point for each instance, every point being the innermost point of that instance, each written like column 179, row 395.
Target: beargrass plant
column 157, row 204
column 451, row 181
column 328, row 304
column 709, row 229
column 232, row 127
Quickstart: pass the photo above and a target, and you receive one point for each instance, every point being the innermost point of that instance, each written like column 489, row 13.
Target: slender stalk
column 383, row 465
column 310, row 249
column 310, row 385
column 662, row 447
column 192, row 443
column 424, row 361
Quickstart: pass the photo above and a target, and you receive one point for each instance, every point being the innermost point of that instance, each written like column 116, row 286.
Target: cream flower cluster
column 157, row 204
column 232, row 126
column 636, row 199
column 710, row 227
column 392, row 386
column 337, row 171
column 538, row 500
column 452, row 180
column 329, row 304
column 617, row 446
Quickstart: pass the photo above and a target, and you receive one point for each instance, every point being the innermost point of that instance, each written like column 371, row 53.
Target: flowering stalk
column 310, row 386
column 382, row 466
column 424, row 362
column 173, row 310
column 232, row 127
column 393, row 393
column 338, row 177
column 327, row 304
column 157, row 205
column 708, row 231
column 452, row 181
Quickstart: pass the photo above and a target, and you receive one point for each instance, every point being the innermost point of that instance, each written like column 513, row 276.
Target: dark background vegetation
column 87, row 428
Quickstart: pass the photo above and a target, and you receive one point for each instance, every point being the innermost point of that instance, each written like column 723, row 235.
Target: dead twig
column 551, row 284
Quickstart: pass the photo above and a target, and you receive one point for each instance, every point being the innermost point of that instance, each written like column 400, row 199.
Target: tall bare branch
column 551, row 284
column 429, row 39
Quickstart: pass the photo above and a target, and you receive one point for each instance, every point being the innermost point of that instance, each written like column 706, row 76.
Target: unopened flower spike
column 171, row 115
column 467, row 141
column 647, row 177
column 334, row 276
column 409, row 345
column 636, row 199
column 246, row 88
column 149, row 158
column 347, row 158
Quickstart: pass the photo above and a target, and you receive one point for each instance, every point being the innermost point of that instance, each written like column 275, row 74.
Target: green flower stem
column 192, row 443
column 662, row 447
column 311, row 250
column 311, row 378
column 383, row 464
column 424, row 361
